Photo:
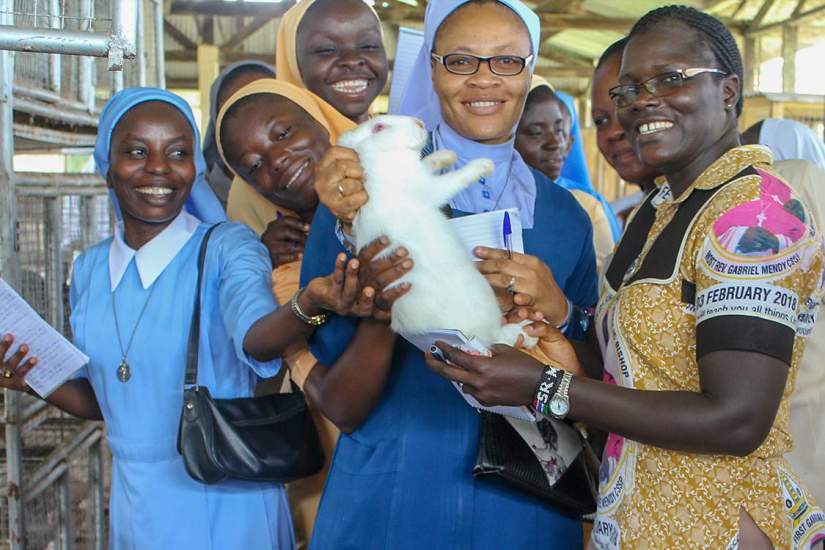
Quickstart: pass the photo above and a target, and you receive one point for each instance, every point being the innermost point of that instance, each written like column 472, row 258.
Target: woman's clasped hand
column 364, row 286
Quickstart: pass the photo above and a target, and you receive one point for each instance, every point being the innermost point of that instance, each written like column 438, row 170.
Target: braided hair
column 712, row 32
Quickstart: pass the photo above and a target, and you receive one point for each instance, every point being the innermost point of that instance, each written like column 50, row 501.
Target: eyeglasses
column 657, row 86
column 467, row 64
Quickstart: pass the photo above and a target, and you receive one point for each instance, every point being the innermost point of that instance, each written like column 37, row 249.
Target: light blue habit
column 154, row 503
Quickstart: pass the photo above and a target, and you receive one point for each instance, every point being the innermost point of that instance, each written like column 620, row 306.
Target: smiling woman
column 335, row 49
column 701, row 322
column 402, row 473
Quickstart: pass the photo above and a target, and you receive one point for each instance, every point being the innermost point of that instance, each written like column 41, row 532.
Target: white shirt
column 153, row 257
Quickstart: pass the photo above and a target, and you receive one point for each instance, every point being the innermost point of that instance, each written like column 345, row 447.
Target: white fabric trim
column 153, row 257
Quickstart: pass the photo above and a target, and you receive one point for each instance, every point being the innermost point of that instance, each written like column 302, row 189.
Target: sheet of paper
column 57, row 358
column 406, row 53
column 486, row 229
column 457, row 339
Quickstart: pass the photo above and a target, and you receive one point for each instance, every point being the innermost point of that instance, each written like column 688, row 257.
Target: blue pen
column 507, row 231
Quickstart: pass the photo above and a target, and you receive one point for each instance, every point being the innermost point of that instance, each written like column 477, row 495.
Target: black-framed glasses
column 467, row 64
column 658, row 86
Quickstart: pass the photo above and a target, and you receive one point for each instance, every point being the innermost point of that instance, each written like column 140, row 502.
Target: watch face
column 559, row 407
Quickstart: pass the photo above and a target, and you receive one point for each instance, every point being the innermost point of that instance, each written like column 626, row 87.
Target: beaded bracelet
column 546, row 389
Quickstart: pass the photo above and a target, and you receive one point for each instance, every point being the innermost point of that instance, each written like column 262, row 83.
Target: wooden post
column 208, row 69
column 790, row 44
column 753, row 57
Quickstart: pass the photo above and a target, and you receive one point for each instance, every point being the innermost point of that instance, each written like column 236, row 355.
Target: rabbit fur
column 405, row 200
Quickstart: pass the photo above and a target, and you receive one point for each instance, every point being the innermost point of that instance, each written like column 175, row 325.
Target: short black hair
column 239, row 71
column 712, row 32
column 544, row 93
column 616, row 48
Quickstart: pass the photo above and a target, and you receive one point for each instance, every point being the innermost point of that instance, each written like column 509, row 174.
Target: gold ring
column 341, row 190
column 8, row 373
column 511, row 286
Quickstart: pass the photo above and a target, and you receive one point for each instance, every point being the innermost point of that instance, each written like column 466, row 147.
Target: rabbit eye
column 379, row 128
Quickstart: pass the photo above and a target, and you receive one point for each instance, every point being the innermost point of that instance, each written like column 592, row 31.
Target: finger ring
column 8, row 373
column 341, row 190
column 511, row 286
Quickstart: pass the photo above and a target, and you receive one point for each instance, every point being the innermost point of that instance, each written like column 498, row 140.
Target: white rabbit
column 405, row 200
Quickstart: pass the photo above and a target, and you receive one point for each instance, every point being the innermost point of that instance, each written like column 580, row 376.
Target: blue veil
column 202, row 202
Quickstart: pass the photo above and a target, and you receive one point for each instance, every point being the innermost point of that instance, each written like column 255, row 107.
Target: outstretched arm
column 76, row 397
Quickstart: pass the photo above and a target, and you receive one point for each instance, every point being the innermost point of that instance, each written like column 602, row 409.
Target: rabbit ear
column 378, row 127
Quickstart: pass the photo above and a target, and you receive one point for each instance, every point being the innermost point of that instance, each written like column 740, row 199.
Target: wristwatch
column 560, row 402
column 314, row 320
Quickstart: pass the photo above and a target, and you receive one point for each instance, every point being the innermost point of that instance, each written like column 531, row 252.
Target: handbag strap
column 191, row 376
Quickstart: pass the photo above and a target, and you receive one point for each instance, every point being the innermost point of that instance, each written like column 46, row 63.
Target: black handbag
column 504, row 457
column 270, row 438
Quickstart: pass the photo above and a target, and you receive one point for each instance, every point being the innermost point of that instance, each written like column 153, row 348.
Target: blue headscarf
column 575, row 166
column 512, row 184
column 574, row 174
column 202, row 202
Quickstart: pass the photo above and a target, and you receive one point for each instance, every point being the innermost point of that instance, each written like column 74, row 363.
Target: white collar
column 153, row 257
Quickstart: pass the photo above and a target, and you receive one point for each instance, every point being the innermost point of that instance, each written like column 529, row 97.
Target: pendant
column 124, row 373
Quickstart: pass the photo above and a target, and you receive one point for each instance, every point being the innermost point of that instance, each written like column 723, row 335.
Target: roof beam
column 793, row 20
column 762, row 13
column 246, row 31
column 563, row 21
column 738, row 8
column 179, row 36
column 219, row 7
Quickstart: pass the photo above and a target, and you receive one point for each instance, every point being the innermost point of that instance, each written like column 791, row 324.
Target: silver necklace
column 124, row 371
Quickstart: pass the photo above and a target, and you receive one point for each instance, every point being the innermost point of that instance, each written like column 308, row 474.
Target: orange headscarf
column 244, row 203
column 247, row 206
column 286, row 54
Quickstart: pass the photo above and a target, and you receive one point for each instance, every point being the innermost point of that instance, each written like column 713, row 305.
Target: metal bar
column 96, row 493
column 54, row 274
column 124, row 29
column 47, row 192
column 64, row 42
column 86, row 66
column 64, row 503
column 88, row 229
column 47, row 96
column 33, row 410
column 36, row 489
column 87, row 436
column 55, row 138
column 160, row 60
column 10, row 271
column 140, row 45
column 68, row 181
column 54, row 59
column 51, row 113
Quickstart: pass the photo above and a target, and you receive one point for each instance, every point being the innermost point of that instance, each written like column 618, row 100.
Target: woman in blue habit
column 132, row 299
column 401, row 476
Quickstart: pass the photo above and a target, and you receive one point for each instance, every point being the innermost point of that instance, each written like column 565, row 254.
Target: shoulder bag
column 270, row 438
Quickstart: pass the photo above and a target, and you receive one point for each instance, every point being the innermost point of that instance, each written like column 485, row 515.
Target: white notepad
column 406, row 55
column 487, row 229
column 57, row 358
column 457, row 339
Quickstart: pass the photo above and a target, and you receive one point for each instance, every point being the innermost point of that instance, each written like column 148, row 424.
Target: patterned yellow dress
column 733, row 264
